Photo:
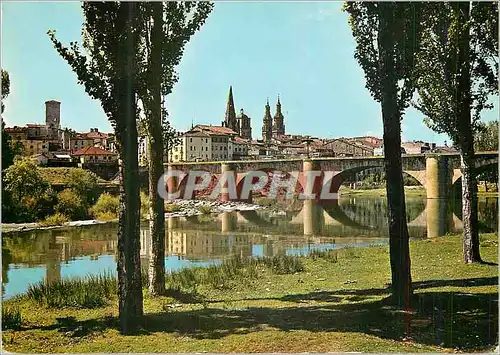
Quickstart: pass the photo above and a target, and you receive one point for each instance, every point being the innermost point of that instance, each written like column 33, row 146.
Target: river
column 30, row 257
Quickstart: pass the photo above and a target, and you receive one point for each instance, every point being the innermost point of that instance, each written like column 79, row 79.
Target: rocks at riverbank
column 188, row 208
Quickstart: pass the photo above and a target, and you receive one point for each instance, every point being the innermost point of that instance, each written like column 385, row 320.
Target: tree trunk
column 129, row 263
column 470, row 238
column 398, row 229
column 155, row 136
column 485, row 185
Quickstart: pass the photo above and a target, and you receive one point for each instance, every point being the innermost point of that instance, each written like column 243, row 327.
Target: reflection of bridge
column 436, row 172
column 431, row 217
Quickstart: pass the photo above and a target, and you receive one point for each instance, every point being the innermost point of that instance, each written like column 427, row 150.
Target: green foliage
column 457, row 66
column 486, row 137
column 106, row 208
column 144, row 205
column 56, row 219
column 205, row 209
column 172, row 207
column 5, row 88
column 88, row 292
column 70, row 204
column 28, row 194
column 401, row 23
column 11, row 317
column 84, row 183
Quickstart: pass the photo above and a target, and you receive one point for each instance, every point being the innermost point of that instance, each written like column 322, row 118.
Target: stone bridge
column 436, row 172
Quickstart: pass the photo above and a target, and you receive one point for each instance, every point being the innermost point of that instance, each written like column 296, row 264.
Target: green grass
column 11, row 318
column 338, row 303
column 87, row 292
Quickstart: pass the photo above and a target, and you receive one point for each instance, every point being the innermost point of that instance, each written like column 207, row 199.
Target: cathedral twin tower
column 242, row 124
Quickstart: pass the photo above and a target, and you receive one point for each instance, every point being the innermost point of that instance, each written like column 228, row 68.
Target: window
column 206, row 140
column 190, row 140
column 176, row 157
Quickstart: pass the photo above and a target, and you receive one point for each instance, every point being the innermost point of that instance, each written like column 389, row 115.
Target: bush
column 87, row 292
column 57, row 219
column 11, row 318
column 71, row 205
column 84, row 183
column 106, row 207
column 29, row 194
column 205, row 209
column 144, row 205
column 171, row 207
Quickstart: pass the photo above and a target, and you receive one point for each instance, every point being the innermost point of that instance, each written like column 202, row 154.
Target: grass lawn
column 338, row 304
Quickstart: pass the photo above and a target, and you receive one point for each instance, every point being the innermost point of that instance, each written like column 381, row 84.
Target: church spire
column 267, row 124
column 230, row 117
column 279, row 124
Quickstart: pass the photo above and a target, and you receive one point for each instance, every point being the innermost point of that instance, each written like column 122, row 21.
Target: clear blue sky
column 301, row 51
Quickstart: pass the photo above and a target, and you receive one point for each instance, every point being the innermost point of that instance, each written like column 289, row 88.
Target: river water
column 30, row 257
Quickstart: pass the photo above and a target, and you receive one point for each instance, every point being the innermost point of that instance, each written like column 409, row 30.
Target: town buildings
column 50, row 144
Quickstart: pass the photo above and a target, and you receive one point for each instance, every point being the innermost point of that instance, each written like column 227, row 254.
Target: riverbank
column 182, row 208
column 337, row 304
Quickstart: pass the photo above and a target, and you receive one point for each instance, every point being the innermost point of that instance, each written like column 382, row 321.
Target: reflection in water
column 51, row 254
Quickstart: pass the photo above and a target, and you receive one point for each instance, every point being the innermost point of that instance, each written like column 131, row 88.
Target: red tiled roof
column 15, row 129
column 241, row 140
column 96, row 135
column 196, row 134
column 93, row 151
column 216, row 129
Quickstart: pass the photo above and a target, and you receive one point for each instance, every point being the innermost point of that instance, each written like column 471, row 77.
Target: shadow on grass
column 468, row 322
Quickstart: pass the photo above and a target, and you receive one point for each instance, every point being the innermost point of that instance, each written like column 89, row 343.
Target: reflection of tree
column 6, row 261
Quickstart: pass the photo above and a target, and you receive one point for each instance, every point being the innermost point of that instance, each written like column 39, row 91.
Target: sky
column 301, row 51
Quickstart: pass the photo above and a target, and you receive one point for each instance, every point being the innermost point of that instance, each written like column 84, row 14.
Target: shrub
column 88, row 292
column 84, row 183
column 171, row 207
column 205, row 209
column 11, row 317
column 29, row 194
column 56, row 219
column 106, row 206
column 144, row 205
column 71, row 205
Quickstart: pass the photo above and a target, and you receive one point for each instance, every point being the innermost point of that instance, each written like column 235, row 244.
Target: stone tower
column 230, row 120
column 53, row 118
column 267, row 124
column 279, row 124
column 245, row 125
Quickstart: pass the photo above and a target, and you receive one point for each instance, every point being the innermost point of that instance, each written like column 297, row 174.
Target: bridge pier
column 438, row 185
column 309, row 185
column 438, row 178
column 312, row 217
column 230, row 170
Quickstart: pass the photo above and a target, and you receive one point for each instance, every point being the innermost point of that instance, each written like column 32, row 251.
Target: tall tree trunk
column 129, row 262
column 156, row 170
column 398, row 229
column 470, row 238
